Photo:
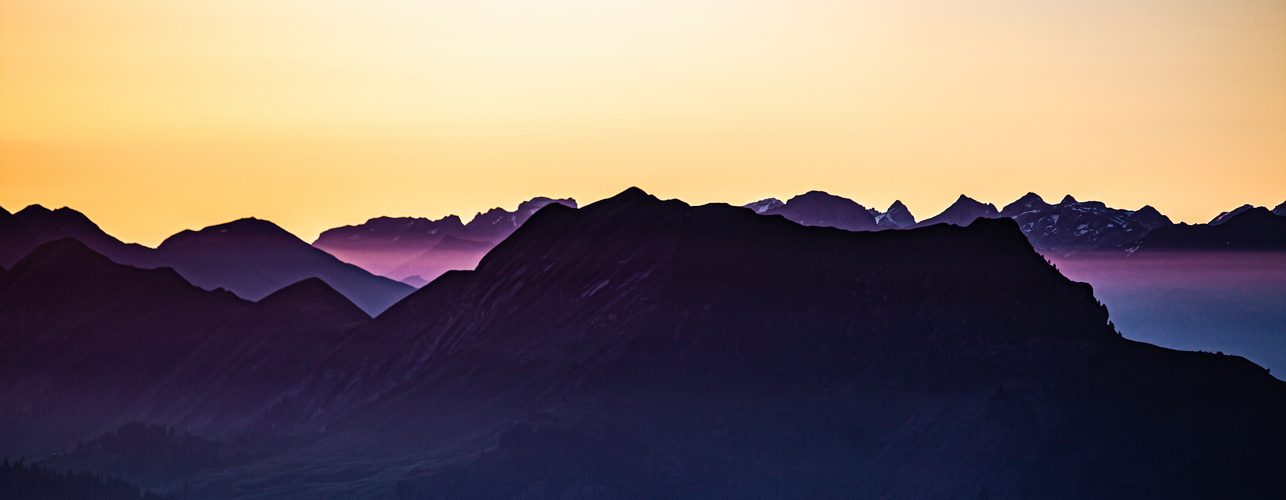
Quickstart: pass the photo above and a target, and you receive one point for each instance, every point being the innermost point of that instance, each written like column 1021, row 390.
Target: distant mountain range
column 1067, row 228
column 643, row 348
column 1244, row 229
column 417, row 250
column 249, row 257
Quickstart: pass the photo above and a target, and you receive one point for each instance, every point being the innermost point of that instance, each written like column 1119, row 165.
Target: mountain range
column 646, row 348
column 418, row 250
column 249, row 257
column 1064, row 229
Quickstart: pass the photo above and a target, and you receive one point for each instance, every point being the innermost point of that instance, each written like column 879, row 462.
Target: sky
column 153, row 116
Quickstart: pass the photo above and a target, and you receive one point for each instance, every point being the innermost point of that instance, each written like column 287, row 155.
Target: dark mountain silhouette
column 1070, row 226
column 407, row 249
column 249, row 257
column 31, row 226
column 647, row 348
column 1226, row 216
column 818, row 208
column 1062, row 229
column 764, row 205
column 87, row 345
column 962, row 213
column 1280, row 210
column 651, row 348
column 1254, row 229
column 255, row 258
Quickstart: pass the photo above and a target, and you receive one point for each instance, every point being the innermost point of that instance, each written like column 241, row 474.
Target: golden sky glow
column 152, row 116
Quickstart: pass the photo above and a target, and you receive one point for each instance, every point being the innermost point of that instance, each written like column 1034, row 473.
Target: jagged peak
column 1067, row 200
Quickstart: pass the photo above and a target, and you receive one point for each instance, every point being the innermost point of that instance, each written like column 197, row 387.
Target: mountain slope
column 1227, row 216
column 87, row 345
column 651, row 347
column 1254, row 229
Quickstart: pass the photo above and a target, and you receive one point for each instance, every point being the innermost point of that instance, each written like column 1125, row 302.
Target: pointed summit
column 1029, row 202
column 764, row 205
column 963, row 212
column 1067, row 200
column 899, row 215
column 633, row 194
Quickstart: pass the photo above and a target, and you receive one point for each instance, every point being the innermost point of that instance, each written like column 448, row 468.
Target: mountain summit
column 963, row 212
column 819, row 208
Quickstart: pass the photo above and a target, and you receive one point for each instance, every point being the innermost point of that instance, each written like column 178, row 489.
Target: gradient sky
column 152, row 116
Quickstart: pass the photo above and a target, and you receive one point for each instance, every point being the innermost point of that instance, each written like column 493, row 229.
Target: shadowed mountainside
column 87, row 345
column 1244, row 229
column 647, row 348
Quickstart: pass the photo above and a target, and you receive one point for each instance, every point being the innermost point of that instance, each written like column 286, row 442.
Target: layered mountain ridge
column 250, row 257
column 418, row 250
column 646, row 347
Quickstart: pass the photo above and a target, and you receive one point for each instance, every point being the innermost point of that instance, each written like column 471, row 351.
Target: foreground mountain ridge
column 619, row 347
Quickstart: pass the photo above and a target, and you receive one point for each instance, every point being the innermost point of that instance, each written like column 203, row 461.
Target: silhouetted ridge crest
column 1028, row 202
column 819, row 208
column 244, row 230
column 1254, row 229
column 630, row 195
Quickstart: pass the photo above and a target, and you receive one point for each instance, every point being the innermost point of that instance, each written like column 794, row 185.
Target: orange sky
column 153, row 116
